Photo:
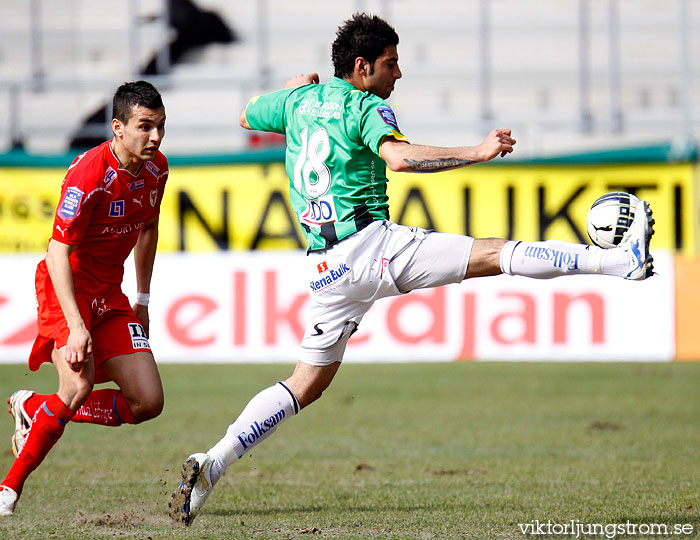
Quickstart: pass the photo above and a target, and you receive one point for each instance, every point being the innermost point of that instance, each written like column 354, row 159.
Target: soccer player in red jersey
column 109, row 205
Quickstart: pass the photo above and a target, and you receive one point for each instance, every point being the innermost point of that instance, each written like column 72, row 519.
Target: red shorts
column 107, row 314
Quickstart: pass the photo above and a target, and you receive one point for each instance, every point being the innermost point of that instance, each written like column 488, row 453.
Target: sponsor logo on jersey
column 560, row 259
column 388, row 116
column 110, row 176
column 332, row 276
column 116, row 209
column 258, row 429
column 153, row 197
column 320, row 109
column 139, row 340
column 322, row 267
column 137, row 184
column 319, row 211
column 70, row 204
column 126, row 228
column 152, row 167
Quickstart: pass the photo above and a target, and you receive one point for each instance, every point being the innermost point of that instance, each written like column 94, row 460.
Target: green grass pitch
column 462, row 450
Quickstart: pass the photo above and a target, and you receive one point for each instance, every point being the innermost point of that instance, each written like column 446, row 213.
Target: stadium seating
column 86, row 48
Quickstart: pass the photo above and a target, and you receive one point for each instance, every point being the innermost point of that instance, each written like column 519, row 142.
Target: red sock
column 34, row 402
column 49, row 423
column 106, row 407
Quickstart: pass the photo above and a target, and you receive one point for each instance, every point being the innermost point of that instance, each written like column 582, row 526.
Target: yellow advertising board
column 209, row 208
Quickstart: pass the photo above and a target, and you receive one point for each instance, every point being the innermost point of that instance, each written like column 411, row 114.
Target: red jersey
column 103, row 209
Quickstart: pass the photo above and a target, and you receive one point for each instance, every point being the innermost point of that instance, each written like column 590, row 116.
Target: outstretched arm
column 401, row 156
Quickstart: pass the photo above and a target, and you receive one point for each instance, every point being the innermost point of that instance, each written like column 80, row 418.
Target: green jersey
column 337, row 179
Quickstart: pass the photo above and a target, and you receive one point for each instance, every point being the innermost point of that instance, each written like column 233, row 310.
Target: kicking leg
column 552, row 258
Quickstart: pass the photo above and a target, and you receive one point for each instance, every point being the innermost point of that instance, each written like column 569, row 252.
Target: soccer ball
column 610, row 217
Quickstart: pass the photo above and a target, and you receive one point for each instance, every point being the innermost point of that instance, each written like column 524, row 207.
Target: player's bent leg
column 140, row 397
column 74, row 387
column 50, row 421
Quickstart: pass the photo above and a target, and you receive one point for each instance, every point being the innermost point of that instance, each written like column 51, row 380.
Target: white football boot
column 22, row 420
column 187, row 500
column 636, row 243
column 8, row 500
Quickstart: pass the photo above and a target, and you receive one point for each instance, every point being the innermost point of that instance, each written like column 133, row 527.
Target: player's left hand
column 498, row 142
column 141, row 313
column 301, row 80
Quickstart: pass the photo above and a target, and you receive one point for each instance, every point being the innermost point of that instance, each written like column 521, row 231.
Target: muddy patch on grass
column 459, row 472
column 121, row 520
column 597, row 425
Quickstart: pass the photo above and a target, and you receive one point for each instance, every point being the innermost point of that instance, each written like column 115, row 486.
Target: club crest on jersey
column 139, row 340
column 388, row 116
column 153, row 197
column 319, row 211
column 116, row 209
column 71, row 203
column 136, row 184
column 110, row 176
column 332, row 275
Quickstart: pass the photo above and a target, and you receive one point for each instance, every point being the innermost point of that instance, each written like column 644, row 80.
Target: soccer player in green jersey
column 341, row 136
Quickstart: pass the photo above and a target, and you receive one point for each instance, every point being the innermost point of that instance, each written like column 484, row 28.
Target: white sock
column 553, row 258
column 260, row 418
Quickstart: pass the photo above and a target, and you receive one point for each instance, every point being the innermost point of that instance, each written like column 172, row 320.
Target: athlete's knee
column 146, row 407
column 74, row 392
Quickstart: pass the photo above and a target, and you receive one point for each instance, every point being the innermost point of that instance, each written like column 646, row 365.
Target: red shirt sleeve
column 79, row 193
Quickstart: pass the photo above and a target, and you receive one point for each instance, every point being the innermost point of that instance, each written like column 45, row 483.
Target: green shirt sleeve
column 378, row 121
column 266, row 112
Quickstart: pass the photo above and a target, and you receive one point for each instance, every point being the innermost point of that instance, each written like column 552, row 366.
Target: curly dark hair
column 133, row 94
column 363, row 35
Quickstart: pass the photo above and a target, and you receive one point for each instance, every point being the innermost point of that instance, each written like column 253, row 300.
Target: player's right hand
column 498, row 142
column 78, row 347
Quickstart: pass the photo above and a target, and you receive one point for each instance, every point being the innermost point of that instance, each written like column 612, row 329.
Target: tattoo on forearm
column 430, row 165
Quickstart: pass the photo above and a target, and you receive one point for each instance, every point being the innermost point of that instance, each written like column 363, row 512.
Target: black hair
column 133, row 94
column 363, row 35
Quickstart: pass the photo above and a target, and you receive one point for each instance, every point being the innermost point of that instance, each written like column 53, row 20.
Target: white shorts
column 383, row 259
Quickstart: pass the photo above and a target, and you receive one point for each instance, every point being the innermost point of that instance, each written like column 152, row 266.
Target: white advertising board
column 250, row 307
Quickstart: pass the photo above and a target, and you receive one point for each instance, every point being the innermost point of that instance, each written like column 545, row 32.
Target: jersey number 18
column 312, row 156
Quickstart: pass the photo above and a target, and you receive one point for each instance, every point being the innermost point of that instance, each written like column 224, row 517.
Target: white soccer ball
column 610, row 217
